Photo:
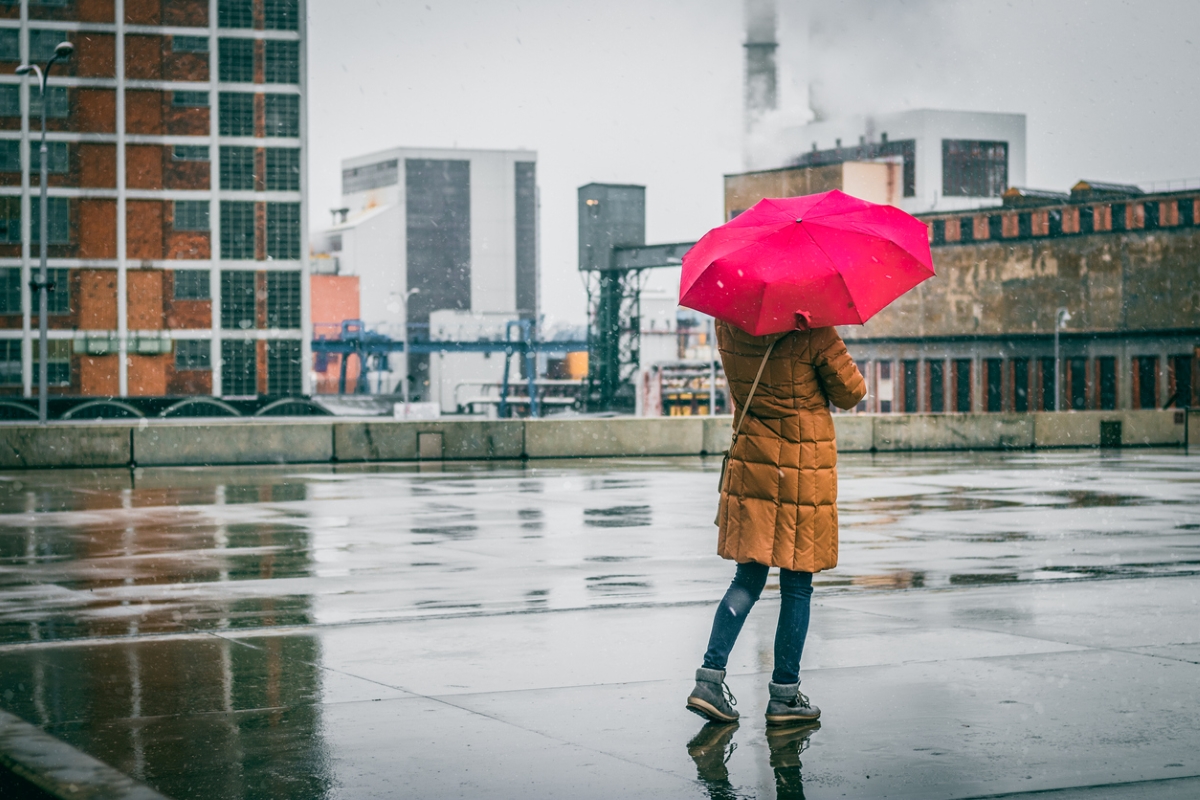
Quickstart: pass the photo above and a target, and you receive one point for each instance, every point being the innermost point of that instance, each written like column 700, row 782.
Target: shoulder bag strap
column 745, row 410
column 753, row 388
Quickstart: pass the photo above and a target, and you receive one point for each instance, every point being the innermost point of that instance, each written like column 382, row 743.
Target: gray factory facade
column 1116, row 270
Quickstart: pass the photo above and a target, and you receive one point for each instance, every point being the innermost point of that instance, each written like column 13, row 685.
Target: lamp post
column 42, row 285
column 407, row 350
column 1061, row 317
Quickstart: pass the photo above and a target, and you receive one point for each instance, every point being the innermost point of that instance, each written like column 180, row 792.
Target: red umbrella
column 812, row 261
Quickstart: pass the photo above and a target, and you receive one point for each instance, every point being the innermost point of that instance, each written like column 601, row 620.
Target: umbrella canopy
column 805, row 262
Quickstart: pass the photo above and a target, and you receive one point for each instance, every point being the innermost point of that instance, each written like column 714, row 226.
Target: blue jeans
column 795, row 589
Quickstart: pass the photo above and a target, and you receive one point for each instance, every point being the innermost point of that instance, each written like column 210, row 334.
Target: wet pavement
column 1000, row 624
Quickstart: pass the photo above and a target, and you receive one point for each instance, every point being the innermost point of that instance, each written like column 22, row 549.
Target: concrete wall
column 181, row 442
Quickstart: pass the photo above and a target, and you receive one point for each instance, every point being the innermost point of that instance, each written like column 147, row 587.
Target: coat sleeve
column 840, row 379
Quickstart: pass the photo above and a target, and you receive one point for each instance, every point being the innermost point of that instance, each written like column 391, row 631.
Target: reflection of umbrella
column 805, row 262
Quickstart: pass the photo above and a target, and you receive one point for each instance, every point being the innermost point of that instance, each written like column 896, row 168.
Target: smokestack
column 760, row 88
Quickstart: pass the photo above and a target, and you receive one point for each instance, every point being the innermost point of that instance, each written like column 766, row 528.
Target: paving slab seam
column 1086, row 787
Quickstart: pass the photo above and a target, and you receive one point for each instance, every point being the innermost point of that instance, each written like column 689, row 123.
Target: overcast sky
column 649, row 91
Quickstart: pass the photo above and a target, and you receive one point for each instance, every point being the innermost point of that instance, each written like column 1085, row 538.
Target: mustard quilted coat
column 779, row 496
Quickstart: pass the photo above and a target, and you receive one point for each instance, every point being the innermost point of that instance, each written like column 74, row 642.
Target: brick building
column 177, row 197
column 980, row 336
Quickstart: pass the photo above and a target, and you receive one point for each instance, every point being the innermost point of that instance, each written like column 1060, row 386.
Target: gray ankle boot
column 789, row 704
column 711, row 698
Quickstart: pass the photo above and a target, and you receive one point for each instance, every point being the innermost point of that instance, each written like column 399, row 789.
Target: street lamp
column 1061, row 317
column 42, row 285
column 407, row 349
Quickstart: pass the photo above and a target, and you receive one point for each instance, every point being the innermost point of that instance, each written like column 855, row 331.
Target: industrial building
column 1113, row 268
column 177, row 197
column 444, row 242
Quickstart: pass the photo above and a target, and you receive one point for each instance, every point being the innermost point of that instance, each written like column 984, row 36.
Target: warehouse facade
column 1119, row 267
column 177, row 211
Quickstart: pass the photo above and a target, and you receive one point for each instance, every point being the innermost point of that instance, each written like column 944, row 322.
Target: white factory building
column 445, row 245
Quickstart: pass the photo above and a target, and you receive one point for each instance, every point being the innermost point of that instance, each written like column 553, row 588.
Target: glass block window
column 10, row 155
column 283, row 230
column 10, row 44
column 42, row 44
column 193, row 354
column 10, row 100
column 239, row 368
column 281, row 15
column 59, row 160
column 237, row 168
column 58, row 365
column 283, row 367
column 283, row 300
column 236, row 114
column 59, row 220
column 282, row 64
column 237, row 299
column 283, row 115
column 974, row 168
column 57, row 104
column 235, row 58
column 283, row 169
column 237, row 229
column 10, row 220
column 191, row 215
column 10, row 362
column 59, row 300
column 191, row 284
column 190, row 99
column 189, row 44
column 10, row 290
column 190, row 152
column 235, row 14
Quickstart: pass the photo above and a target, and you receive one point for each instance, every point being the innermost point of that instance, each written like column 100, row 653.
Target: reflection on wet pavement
column 211, row 587
column 104, row 553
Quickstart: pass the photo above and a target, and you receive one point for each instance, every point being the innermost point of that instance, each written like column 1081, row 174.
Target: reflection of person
column 778, row 504
column 711, row 749
column 787, row 743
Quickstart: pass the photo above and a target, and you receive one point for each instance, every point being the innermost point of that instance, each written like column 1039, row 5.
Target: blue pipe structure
column 356, row 340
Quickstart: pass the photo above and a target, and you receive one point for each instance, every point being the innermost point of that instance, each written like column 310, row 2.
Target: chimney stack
column 760, row 88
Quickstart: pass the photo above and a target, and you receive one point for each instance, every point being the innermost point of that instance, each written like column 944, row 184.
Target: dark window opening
column 1118, row 216
column 281, row 15
column 10, row 290
column 282, row 114
column 283, row 169
column 995, row 226
column 189, row 44
column 10, row 362
column 281, row 62
column 1049, row 385
column 1077, row 377
column 995, row 400
column 1151, row 219
column 1054, row 219
column 283, row 231
column 962, row 385
column 1025, row 225
column 58, row 365
column 939, row 231
column 1107, row 366
column 966, row 229
column 236, row 116
column 58, row 220
column 1147, row 379
column 937, row 386
column 1020, row 367
column 191, row 215
column 1187, row 212
column 910, row 387
column 189, row 99
column 1087, row 219
column 1181, row 379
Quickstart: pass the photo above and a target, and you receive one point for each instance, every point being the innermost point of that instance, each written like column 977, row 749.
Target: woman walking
column 778, row 504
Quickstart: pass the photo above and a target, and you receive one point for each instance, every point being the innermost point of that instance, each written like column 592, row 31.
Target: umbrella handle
column 803, row 321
